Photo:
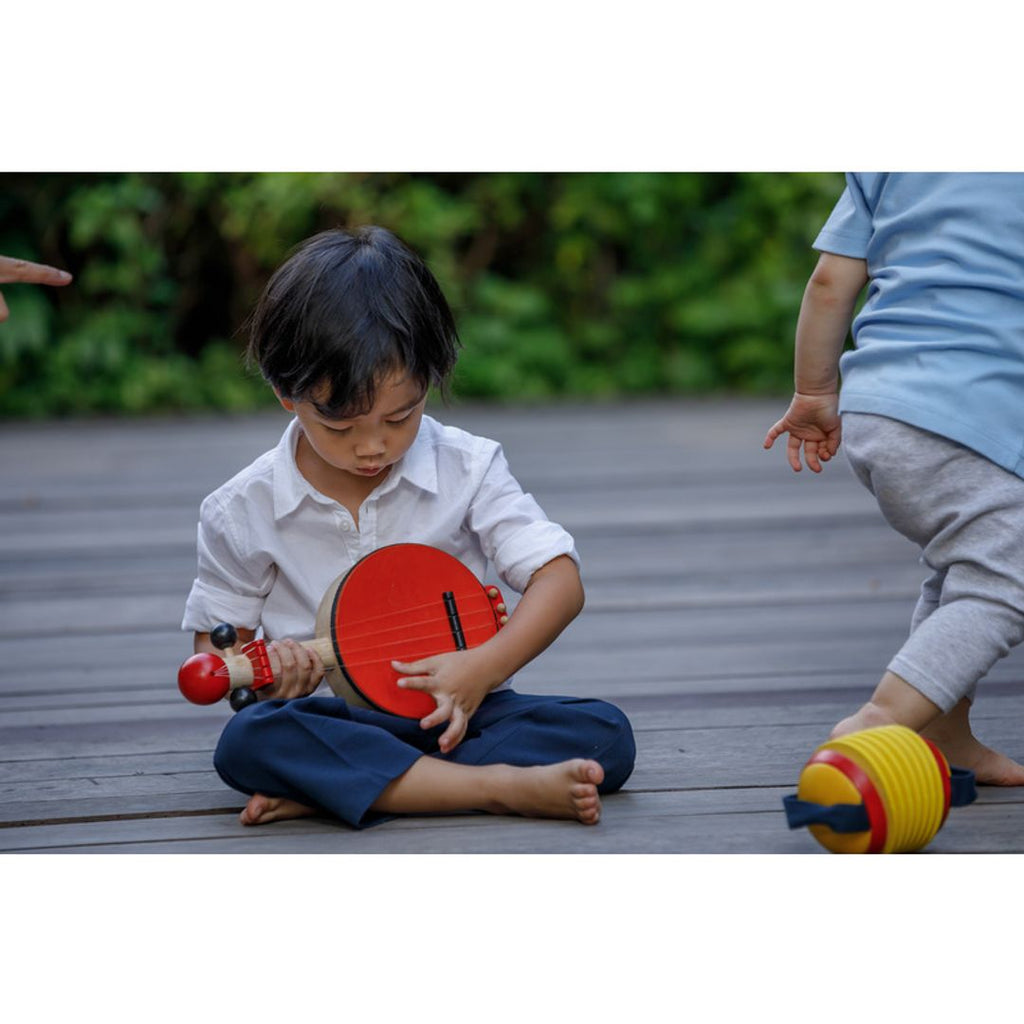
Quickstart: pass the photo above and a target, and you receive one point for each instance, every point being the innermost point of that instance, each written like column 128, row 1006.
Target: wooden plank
column 684, row 821
column 686, row 759
column 672, row 822
column 41, row 772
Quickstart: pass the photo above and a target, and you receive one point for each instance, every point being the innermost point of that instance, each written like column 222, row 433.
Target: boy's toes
column 254, row 810
column 590, row 771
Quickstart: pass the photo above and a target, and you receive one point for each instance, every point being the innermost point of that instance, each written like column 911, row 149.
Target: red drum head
column 404, row 602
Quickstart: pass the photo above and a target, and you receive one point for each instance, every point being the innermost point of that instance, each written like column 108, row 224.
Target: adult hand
column 24, row 272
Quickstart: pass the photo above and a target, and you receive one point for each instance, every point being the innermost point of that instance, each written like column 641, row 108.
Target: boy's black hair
column 345, row 310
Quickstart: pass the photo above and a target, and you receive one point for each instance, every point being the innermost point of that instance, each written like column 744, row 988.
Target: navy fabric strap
column 854, row 817
column 961, row 787
column 838, row 817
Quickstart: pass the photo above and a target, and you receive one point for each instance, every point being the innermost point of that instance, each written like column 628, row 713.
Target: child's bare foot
column 989, row 766
column 564, row 790
column 867, row 717
column 263, row 809
column 952, row 734
column 894, row 702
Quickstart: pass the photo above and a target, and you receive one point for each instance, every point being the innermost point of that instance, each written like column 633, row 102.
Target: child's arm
column 297, row 669
column 460, row 680
column 812, row 420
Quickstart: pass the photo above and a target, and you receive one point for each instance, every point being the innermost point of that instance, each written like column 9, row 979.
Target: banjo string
column 469, row 599
column 377, row 637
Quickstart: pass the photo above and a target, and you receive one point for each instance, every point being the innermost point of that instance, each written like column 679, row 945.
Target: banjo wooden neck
column 324, row 647
column 240, row 667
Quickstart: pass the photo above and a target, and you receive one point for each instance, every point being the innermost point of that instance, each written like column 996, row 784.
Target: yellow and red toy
column 881, row 790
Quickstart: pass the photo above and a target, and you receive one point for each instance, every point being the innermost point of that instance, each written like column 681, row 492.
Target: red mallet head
column 203, row 679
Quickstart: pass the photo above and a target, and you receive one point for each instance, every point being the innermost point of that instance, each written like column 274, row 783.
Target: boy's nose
column 370, row 447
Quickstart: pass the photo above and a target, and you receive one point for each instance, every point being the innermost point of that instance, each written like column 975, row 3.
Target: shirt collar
column 419, row 464
column 291, row 488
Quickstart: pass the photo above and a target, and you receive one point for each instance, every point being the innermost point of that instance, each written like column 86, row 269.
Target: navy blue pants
column 326, row 753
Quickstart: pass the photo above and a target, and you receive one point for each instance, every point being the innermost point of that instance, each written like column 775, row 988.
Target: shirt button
column 345, row 526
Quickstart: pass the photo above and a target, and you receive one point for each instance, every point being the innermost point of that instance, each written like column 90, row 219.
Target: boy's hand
column 297, row 670
column 455, row 681
column 813, row 423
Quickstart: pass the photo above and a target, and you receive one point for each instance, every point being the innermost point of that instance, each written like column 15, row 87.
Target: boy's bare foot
column 868, row 717
column 952, row 734
column 989, row 766
column 263, row 809
column 894, row 702
column 564, row 790
column 432, row 786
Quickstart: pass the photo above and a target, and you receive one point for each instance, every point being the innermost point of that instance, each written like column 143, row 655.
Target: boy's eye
column 402, row 418
column 337, row 430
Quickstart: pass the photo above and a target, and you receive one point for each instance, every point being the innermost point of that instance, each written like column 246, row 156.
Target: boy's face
column 366, row 446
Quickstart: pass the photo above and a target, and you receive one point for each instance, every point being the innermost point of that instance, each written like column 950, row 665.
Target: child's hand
column 454, row 680
column 813, row 423
column 297, row 670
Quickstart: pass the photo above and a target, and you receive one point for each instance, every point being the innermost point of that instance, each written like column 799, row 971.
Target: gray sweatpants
column 967, row 516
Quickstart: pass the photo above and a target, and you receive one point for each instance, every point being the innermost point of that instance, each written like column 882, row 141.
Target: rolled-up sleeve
column 232, row 580
column 514, row 532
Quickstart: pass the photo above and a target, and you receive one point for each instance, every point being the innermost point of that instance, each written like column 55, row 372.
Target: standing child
column 351, row 332
column 932, row 422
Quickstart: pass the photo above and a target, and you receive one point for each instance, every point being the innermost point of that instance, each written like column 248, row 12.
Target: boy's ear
column 286, row 402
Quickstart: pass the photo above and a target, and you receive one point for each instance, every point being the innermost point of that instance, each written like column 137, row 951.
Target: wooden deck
column 735, row 611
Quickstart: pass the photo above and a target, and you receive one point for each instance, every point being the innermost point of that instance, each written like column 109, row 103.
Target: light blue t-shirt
column 940, row 338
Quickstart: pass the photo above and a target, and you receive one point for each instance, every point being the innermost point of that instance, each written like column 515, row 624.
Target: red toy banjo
column 399, row 603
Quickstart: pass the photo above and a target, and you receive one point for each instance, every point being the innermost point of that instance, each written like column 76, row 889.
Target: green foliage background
column 593, row 285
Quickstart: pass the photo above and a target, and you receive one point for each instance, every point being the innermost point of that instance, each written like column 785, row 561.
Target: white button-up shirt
column 270, row 545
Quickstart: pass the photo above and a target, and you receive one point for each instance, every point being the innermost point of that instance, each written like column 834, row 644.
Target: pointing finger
column 31, row 273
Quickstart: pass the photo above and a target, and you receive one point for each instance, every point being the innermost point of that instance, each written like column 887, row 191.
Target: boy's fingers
column 31, row 273
column 4, row 312
column 440, row 714
column 452, row 736
column 414, row 682
column 793, row 453
column 773, row 433
column 412, row 668
column 287, row 661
